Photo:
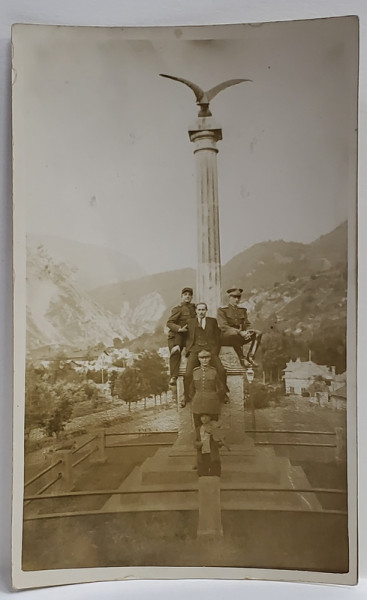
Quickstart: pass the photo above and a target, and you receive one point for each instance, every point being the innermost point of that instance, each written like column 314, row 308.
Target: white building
column 298, row 375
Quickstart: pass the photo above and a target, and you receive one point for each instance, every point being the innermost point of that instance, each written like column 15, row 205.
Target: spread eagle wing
column 210, row 94
column 199, row 93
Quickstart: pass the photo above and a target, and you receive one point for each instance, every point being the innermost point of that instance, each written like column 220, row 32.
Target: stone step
column 246, row 449
column 169, row 476
column 164, row 460
column 233, row 495
column 231, row 472
column 230, row 500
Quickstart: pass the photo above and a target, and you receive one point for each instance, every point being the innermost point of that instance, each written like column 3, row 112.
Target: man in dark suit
column 202, row 334
column 235, row 328
column 177, row 325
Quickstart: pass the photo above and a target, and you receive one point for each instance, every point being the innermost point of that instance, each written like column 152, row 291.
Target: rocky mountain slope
column 297, row 282
column 59, row 313
column 293, row 287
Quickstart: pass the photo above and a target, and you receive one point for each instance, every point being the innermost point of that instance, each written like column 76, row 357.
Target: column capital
column 205, row 126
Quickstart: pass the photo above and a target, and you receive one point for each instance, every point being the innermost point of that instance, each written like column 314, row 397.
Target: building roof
column 306, row 370
column 342, row 377
column 340, row 392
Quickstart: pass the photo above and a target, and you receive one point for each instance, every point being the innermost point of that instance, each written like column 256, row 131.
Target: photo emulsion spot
column 185, row 275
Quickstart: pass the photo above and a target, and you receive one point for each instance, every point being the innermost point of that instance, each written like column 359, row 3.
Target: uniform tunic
column 206, row 387
column 179, row 316
column 232, row 319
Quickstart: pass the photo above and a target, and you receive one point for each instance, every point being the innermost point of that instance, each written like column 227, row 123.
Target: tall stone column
column 205, row 134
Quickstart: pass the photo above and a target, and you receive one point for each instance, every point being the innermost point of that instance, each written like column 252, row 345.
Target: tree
column 117, row 343
column 49, row 404
column 261, row 395
column 129, row 385
column 37, row 404
column 318, row 385
column 277, row 349
column 62, row 370
column 328, row 345
column 94, row 375
column 61, row 416
column 112, row 382
column 153, row 372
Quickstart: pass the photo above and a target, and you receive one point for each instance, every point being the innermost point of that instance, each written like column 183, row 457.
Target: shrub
column 261, row 395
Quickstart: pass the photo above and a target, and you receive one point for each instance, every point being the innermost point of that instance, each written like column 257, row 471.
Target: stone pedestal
column 233, row 414
column 185, row 419
column 205, row 134
column 210, row 519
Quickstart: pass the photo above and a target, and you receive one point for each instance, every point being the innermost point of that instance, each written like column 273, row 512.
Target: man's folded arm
column 173, row 318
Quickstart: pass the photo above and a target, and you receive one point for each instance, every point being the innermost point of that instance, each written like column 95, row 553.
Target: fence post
column 340, row 450
column 66, row 471
column 100, row 455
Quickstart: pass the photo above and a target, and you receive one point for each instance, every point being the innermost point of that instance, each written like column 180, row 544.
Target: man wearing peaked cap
column 235, row 328
column 206, row 390
column 177, row 326
column 235, row 291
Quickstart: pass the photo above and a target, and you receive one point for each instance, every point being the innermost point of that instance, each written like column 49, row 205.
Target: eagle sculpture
column 203, row 98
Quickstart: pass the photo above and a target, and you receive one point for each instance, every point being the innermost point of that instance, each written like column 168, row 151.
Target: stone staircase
column 168, row 480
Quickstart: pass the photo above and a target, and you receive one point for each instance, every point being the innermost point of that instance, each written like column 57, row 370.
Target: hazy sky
column 102, row 143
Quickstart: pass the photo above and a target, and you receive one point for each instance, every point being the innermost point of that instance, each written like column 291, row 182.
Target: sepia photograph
column 185, row 209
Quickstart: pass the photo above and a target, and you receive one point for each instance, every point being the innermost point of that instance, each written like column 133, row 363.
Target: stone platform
column 168, row 481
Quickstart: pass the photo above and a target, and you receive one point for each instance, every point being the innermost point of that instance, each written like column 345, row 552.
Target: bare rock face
column 59, row 313
column 147, row 313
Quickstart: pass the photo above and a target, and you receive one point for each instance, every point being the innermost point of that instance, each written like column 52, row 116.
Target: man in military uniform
column 235, row 329
column 177, row 325
column 206, row 390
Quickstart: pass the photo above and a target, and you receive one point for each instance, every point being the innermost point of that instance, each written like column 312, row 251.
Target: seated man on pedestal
column 177, row 325
column 202, row 334
column 235, row 329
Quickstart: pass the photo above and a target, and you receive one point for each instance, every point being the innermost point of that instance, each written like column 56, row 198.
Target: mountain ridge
column 297, row 286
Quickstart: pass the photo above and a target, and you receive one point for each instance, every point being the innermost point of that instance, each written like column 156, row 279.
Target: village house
column 338, row 397
column 299, row 375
